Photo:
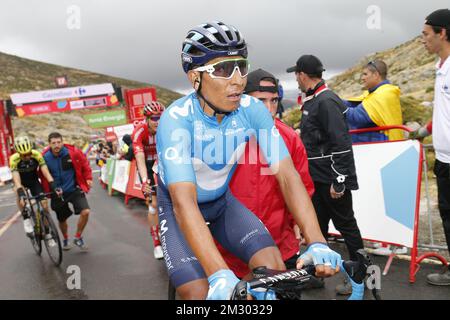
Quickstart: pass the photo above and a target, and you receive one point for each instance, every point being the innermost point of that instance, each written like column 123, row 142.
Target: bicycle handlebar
column 44, row 195
column 289, row 280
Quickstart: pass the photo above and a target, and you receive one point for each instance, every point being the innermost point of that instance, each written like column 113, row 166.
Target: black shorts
column 35, row 188
column 62, row 209
column 291, row 263
column 150, row 174
column 235, row 227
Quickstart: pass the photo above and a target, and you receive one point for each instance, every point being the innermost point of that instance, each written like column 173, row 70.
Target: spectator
column 378, row 106
column 436, row 38
column 266, row 200
column 328, row 144
column 98, row 159
column 72, row 173
column 127, row 148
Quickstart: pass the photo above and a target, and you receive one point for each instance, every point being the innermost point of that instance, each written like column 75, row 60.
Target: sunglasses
column 225, row 69
column 26, row 154
column 155, row 118
column 373, row 64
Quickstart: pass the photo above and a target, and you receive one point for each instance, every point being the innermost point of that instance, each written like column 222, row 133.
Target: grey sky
column 141, row 40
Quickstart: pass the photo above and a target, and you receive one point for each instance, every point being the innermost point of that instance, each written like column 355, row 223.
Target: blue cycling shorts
column 236, row 228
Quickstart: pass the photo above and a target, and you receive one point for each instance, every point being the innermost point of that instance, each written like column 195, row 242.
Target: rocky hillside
column 411, row 68
column 21, row 75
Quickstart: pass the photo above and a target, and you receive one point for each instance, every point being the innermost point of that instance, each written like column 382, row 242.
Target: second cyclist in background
column 25, row 165
column 144, row 148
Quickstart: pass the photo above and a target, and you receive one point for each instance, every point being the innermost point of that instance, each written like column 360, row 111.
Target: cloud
column 141, row 40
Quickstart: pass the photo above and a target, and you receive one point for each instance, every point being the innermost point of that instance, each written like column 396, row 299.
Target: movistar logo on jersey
column 233, row 53
column 192, row 147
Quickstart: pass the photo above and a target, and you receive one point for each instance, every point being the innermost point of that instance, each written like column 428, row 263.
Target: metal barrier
column 431, row 245
column 415, row 259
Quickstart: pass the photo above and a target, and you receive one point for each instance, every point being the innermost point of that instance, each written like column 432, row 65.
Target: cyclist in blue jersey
column 199, row 141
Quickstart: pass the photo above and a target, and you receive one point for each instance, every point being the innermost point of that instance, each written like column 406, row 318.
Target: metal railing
column 432, row 244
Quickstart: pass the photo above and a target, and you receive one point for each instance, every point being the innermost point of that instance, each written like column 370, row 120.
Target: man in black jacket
column 324, row 132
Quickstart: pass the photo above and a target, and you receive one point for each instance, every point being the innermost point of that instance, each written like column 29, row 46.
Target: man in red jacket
column 72, row 173
column 254, row 185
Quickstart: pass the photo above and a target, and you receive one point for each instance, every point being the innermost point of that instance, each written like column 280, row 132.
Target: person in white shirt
column 436, row 38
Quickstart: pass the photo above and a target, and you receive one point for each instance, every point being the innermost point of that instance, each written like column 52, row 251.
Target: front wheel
column 51, row 239
column 36, row 240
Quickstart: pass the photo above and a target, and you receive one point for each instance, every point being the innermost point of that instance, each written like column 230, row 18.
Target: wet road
column 120, row 263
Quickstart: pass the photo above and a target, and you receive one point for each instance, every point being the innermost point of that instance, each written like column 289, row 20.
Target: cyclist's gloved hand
column 319, row 253
column 21, row 193
column 52, row 186
column 261, row 293
column 221, row 285
column 146, row 188
column 22, row 196
column 357, row 288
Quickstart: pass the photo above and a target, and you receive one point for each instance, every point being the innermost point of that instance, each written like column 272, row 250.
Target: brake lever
column 240, row 291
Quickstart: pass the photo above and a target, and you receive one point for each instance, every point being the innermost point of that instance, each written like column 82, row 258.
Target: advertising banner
column 104, row 89
column 5, row 174
column 121, row 174
column 385, row 203
column 66, row 105
column 136, row 99
column 106, row 119
column 110, row 171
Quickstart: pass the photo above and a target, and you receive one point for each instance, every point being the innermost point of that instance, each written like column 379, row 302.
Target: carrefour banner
column 385, row 204
column 62, row 94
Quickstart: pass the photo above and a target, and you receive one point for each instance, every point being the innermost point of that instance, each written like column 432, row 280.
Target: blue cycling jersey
column 194, row 147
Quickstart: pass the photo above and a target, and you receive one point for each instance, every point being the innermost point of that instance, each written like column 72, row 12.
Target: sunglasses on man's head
column 155, row 118
column 26, row 154
column 374, row 65
column 225, row 69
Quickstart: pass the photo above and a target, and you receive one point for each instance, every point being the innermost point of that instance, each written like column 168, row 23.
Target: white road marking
column 9, row 223
column 5, row 205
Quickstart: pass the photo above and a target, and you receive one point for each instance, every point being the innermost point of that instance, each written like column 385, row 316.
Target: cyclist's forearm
column 197, row 233
column 299, row 203
column 16, row 179
column 140, row 163
column 47, row 174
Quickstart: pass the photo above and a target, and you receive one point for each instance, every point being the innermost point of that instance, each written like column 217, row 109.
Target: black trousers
column 340, row 211
column 442, row 172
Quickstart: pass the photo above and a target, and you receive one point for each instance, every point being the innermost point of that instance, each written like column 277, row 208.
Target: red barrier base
column 412, row 275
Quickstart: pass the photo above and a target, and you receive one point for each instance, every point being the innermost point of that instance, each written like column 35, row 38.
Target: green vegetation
column 22, row 75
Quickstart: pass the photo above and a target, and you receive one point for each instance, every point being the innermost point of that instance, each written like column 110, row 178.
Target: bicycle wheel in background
column 36, row 240
column 51, row 239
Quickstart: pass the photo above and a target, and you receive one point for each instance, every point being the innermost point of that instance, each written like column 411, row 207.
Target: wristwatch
column 339, row 188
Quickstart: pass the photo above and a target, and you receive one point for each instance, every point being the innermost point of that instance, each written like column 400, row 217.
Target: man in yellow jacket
column 378, row 106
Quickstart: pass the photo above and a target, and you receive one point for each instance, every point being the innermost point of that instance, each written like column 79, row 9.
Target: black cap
column 308, row 64
column 254, row 78
column 127, row 139
column 439, row 18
